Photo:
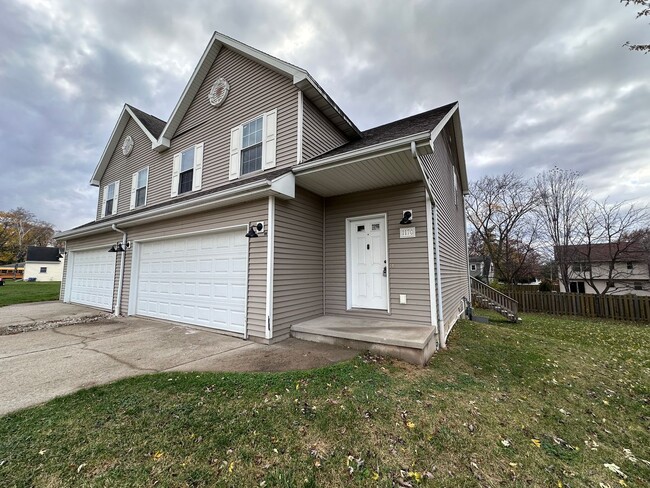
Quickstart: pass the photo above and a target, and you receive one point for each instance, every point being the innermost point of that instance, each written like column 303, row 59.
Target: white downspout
column 120, row 283
column 436, row 247
column 441, row 321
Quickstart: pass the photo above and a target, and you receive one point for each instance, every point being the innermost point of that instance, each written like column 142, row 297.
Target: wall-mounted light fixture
column 254, row 229
column 407, row 217
column 119, row 248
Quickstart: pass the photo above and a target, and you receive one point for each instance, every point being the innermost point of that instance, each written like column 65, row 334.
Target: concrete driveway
column 40, row 365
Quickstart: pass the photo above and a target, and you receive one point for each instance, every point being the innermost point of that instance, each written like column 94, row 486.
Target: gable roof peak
column 299, row 76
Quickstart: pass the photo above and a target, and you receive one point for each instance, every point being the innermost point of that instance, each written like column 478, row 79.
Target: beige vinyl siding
column 451, row 227
column 121, row 168
column 407, row 258
column 319, row 135
column 298, row 266
column 98, row 241
column 243, row 214
column 254, row 89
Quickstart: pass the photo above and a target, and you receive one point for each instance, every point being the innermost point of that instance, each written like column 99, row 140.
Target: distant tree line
column 543, row 226
column 19, row 228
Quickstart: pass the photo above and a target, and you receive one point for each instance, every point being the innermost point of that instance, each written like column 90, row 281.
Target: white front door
column 368, row 279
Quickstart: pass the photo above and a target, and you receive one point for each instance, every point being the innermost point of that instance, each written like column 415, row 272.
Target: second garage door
column 198, row 280
column 90, row 278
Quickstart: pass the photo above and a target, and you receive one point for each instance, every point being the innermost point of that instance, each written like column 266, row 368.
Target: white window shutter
column 116, row 194
column 270, row 131
column 198, row 167
column 176, row 171
column 104, row 198
column 235, row 152
column 134, row 188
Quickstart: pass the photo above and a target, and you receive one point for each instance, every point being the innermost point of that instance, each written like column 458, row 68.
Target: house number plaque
column 406, row 232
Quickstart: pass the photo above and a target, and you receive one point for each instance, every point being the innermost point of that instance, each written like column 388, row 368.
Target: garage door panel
column 199, row 280
column 92, row 278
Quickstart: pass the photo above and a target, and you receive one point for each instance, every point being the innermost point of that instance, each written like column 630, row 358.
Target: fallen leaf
column 231, row 466
column 536, row 442
column 158, row 455
column 410, row 425
column 42, row 451
column 81, row 466
column 615, row 469
column 375, row 475
column 505, row 442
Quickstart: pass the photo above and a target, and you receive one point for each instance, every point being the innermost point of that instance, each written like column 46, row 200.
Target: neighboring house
column 481, row 267
column 43, row 263
column 258, row 205
column 622, row 269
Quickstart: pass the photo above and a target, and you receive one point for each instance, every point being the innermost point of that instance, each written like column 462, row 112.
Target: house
column 617, row 269
column 13, row 271
column 481, row 268
column 259, row 209
column 43, row 263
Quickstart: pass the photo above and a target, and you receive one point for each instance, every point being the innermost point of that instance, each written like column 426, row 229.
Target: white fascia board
column 192, row 87
column 454, row 116
column 161, row 144
column 188, row 206
column 110, row 147
column 422, row 139
column 137, row 121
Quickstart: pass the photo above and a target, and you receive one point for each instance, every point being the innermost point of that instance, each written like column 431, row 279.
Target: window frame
column 260, row 145
column 268, row 145
column 136, row 188
column 116, row 189
column 43, row 269
column 196, row 170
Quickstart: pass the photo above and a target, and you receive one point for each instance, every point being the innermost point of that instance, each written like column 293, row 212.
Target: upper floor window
column 139, row 188
column 630, row 265
column 187, row 170
column 109, row 202
column 43, row 269
column 251, row 152
column 253, row 144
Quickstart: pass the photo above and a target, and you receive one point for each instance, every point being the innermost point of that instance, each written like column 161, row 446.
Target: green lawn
column 23, row 292
column 549, row 402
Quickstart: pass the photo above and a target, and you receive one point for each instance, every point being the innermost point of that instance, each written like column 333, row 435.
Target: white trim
column 135, row 271
column 300, row 128
column 270, row 252
column 431, row 260
column 348, row 260
column 441, row 317
column 248, row 250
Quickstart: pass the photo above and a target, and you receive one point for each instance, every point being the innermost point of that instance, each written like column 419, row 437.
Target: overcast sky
column 539, row 83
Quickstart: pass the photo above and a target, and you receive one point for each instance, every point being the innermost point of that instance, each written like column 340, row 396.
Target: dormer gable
column 150, row 125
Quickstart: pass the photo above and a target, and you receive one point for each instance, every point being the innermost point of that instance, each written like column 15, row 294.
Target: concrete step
column 414, row 344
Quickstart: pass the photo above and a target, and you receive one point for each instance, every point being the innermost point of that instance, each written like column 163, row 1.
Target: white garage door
column 91, row 277
column 198, row 280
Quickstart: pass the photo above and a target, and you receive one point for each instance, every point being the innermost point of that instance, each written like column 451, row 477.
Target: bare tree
column 19, row 229
column 501, row 210
column 614, row 239
column 644, row 12
column 561, row 196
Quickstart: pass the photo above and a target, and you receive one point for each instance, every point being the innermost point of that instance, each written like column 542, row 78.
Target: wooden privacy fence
column 618, row 307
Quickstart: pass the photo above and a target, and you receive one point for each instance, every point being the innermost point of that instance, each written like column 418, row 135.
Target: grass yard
column 24, row 292
column 554, row 402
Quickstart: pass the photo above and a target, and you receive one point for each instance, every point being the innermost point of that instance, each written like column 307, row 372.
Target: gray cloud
column 540, row 83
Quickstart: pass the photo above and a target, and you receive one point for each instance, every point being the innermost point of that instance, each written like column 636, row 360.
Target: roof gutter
column 196, row 204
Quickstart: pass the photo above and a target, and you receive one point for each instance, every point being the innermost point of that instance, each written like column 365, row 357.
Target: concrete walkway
column 40, row 365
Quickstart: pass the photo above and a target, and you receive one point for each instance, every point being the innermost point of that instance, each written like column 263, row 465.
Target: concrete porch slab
column 413, row 343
